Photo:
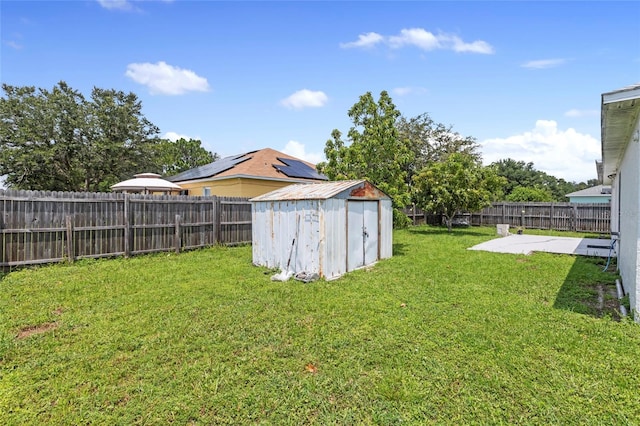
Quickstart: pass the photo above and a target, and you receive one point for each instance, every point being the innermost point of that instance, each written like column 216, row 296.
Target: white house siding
column 627, row 185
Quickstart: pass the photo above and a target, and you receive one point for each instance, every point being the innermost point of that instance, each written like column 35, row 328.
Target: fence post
column 551, row 217
column 216, row 220
column 413, row 209
column 176, row 237
column 503, row 214
column 575, row 217
column 127, row 229
column 70, row 251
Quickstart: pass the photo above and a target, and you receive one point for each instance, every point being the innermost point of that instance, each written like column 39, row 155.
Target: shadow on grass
column 399, row 249
column 588, row 290
column 455, row 232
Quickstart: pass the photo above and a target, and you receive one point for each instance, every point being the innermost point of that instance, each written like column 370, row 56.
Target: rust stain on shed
column 367, row 191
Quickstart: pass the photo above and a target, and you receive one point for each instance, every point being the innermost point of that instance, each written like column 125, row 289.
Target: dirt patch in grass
column 36, row 329
column 605, row 301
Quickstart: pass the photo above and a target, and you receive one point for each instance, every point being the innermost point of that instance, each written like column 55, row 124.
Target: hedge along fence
column 553, row 216
column 46, row 227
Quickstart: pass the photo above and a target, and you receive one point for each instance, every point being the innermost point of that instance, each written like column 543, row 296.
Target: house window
column 206, row 191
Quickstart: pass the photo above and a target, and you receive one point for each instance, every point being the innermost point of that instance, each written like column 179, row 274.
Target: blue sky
column 523, row 78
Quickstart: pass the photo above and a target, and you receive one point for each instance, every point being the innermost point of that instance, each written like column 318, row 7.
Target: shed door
column 363, row 233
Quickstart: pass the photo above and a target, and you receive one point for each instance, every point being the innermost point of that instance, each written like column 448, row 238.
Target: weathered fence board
column 553, row 216
column 41, row 227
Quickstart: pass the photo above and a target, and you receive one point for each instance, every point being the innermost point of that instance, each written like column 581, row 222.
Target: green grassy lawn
column 437, row 334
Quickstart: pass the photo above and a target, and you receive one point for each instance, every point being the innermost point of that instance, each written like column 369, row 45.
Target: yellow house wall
column 234, row 187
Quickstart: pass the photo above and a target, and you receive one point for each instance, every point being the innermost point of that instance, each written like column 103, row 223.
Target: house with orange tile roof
column 247, row 175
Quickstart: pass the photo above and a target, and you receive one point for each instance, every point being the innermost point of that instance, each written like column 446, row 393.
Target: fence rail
column 45, row 227
column 553, row 216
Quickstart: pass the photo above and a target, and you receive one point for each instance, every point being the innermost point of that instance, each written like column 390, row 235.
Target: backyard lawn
column 437, row 334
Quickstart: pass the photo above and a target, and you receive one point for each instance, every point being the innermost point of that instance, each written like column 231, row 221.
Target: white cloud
column 297, row 149
column 164, row 79
column 116, row 4
column 577, row 113
column 305, row 99
column 127, row 5
column 564, row 154
column 422, row 39
column 544, row 63
column 364, row 40
column 13, row 44
column 415, row 37
column 408, row 90
column 173, row 136
column 477, row 46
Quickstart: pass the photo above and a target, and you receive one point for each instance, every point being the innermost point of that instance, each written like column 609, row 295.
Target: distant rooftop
column 594, row 191
column 265, row 163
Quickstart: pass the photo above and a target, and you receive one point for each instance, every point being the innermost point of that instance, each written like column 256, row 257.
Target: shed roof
column 146, row 182
column 594, row 191
column 265, row 163
column 323, row 191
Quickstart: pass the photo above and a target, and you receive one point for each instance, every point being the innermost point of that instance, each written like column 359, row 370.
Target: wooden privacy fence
column 44, row 227
column 553, row 216
column 556, row 216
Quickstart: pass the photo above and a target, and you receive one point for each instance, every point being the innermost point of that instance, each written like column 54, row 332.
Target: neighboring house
column 247, row 175
column 600, row 194
column 621, row 167
column 146, row 183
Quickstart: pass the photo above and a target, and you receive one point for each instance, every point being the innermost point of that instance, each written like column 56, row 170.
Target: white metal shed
column 325, row 228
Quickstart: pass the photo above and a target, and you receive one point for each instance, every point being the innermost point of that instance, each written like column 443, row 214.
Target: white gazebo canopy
column 146, row 183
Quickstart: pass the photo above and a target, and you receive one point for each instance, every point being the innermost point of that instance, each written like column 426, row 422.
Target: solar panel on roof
column 298, row 169
column 211, row 169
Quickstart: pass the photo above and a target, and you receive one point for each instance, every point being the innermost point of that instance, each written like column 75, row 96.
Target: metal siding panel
column 355, row 243
column 276, row 237
column 335, row 238
column 295, row 237
column 370, row 231
column 284, row 236
column 255, row 230
column 386, row 229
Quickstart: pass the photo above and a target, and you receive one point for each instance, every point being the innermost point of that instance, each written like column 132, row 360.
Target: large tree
column 41, row 135
column 457, row 184
column 58, row 140
column 375, row 151
column 524, row 175
column 433, row 142
column 183, row 154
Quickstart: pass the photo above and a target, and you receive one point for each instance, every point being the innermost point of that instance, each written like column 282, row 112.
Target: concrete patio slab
column 527, row 244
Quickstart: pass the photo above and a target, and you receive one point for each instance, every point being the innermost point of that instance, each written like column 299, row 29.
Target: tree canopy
column 183, row 154
column 58, row 140
column 375, row 152
column 519, row 174
column 457, row 184
column 433, row 142
column 525, row 194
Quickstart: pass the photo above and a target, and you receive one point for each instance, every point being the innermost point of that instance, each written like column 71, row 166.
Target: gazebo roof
column 146, row 182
